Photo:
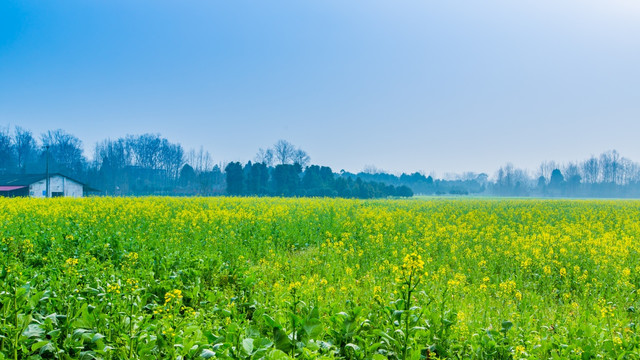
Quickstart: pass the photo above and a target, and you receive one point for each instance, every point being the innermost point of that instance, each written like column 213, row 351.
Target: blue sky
column 433, row 86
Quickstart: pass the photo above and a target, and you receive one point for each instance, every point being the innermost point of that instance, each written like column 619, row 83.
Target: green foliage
column 249, row 278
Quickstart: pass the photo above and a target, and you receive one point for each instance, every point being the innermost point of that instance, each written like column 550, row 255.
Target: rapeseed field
column 271, row 278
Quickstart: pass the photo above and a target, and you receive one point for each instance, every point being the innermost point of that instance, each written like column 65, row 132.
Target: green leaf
column 53, row 318
column 97, row 337
column 313, row 328
column 33, row 330
column 506, row 325
column 38, row 345
column 385, row 336
column 353, row 347
column 247, row 346
column 312, row 345
column 262, row 343
column 22, row 291
column 207, row 354
column 281, row 340
column 54, row 333
column 271, row 321
column 314, row 313
column 79, row 332
column 276, row 354
column 374, row 347
column 47, row 348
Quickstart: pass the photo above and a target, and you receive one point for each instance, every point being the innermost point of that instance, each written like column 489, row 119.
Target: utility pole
column 48, row 181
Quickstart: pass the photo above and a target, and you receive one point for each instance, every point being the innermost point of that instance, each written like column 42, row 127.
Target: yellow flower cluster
column 607, row 309
column 70, row 266
column 113, row 288
column 412, row 264
column 172, row 296
column 27, row 246
column 132, row 284
column 189, row 311
column 169, row 331
column 294, row 286
column 508, row 289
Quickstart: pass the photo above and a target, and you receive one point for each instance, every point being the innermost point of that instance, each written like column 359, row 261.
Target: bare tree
column 372, row 170
column 616, row 167
column 145, row 150
column 110, row 159
column 25, row 146
column 301, row 158
column 112, row 154
column 264, row 156
column 546, row 168
column 468, row 176
column 171, row 158
column 572, row 176
column 284, row 151
column 610, row 167
column 571, row 170
column 504, row 177
column 511, row 180
column 201, row 161
column 65, row 150
column 633, row 173
column 625, row 174
column 207, row 161
column 590, row 169
column 6, row 151
column 190, row 158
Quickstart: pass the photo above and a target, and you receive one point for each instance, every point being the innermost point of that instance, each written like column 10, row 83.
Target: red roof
column 11, row 188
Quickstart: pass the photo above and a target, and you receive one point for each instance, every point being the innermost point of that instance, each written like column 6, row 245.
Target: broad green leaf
column 247, row 345
column 271, row 322
column 207, row 354
column 313, row 328
column 276, row 354
column 33, row 331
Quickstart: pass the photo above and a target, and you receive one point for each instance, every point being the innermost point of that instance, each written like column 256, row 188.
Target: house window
column 57, row 194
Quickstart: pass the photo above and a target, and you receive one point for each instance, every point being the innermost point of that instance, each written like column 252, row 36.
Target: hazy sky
column 444, row 86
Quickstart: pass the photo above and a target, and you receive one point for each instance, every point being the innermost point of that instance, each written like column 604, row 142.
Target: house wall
column 58, row 183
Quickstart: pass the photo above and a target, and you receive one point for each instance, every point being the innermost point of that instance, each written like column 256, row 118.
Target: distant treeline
column 607, row 175
column 152, row 165
column 290, row 180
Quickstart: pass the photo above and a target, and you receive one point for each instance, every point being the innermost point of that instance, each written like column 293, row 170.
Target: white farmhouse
column 36, row 186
